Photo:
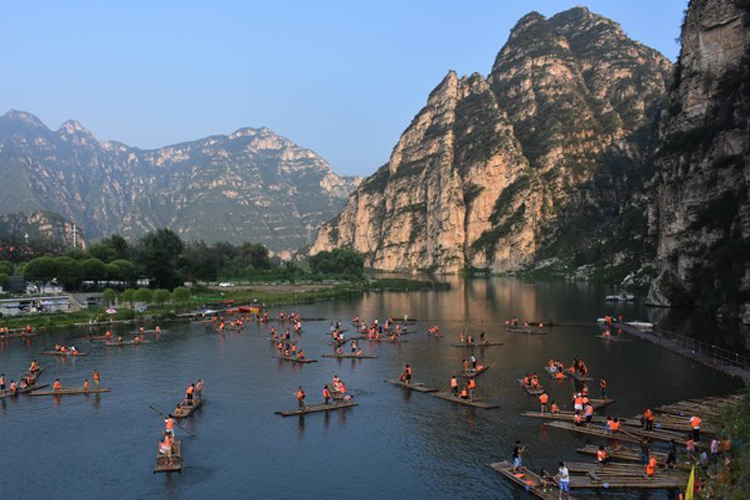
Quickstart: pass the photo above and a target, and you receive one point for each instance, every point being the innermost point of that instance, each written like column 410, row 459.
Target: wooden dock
column 316, row 408
column 707, row 354
column 529, row 481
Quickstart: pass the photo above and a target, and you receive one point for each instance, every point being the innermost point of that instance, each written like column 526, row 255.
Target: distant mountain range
column 252, row 185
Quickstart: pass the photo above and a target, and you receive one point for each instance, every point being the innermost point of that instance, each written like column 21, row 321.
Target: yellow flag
column 690, row 485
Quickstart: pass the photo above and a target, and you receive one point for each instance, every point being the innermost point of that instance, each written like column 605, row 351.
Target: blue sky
column 343, row 78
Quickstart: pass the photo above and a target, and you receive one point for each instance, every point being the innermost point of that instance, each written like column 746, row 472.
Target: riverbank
column 270, row 295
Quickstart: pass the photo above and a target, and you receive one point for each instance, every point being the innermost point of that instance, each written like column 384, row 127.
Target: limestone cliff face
column 701, row 214
column 45, row 225
column 491, row 170
column 252, row 185
column 433, row 204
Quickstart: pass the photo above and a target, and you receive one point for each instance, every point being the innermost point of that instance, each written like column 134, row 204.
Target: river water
column 394, row 445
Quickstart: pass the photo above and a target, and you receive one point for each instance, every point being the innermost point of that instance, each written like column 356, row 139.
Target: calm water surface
column 395, row 445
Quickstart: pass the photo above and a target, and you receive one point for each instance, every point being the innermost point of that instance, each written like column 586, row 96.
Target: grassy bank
column 278, row 295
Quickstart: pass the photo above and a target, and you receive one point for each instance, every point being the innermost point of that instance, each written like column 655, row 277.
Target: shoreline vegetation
column 203, row 297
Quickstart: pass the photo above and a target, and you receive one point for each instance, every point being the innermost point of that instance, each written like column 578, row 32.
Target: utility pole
column 75, row 234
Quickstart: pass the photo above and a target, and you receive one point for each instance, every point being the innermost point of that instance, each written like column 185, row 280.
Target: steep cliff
column 252, row 185
column 41, row 225
column 701, row 214
column 496, row 173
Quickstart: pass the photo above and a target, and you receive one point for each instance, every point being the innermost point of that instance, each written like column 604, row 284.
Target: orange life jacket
column 695, row 422
column 601, row 455
column 544, row 398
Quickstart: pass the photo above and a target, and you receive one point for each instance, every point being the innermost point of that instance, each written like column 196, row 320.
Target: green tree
column 128, row 271
column 6, row 268
column 94, row 270
column 337, row 261
column 108, row 296
column 128, row 296
column 3, row 280
column 68, row 272
column 40, row 269
column 76, row 254
column 143, row 295
column 161, row 296
column 160, row 255
column 181, row 294
column 102, row 251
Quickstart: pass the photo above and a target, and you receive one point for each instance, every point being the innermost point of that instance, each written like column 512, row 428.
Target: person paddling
column 517, row 455
column 300, row 397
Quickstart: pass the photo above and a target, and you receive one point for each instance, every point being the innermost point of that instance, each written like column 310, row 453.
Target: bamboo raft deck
column 317, row 408
column 486, row 343
column 474, row 372
column 580, row 376
column 567, row 416
column 187, row 410
column 296, row 360
column 597, row 431
column 389, row 341
column 529, row 389
column 71, row 391
column 67, row 353
column 347, row 356
column 598, row 404
column 627, row 454
column 528, row 480
column 476, row 402
column 25, row 390
column 162, row 462
column 128, row 343
column 414, row 386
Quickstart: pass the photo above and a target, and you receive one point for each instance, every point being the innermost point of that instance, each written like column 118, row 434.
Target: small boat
column 529, row 389
column 71, row 391
column 162, row 462
column 317, row 408
column 25, row 390
column 64, row 353
column 486, row 343
column 620, row 297
column 474, row 372
column 296, row 360
column 129, row 342
column 528, row 480
column 186, row 410
column 352, row 356
column 414, row 386
column 476, row 402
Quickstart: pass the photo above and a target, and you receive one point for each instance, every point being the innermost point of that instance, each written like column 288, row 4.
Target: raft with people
column 317, row 408
column 473, row 372
column 530, row 388
column 71, row 391
column 476, row 402
column 172, row 462
column 22, row 390
column 486, row 343
column 545, row 489
column 126, row 343
column 350, row 356
column 413, row 386
column 296, row 359
column 64, row 353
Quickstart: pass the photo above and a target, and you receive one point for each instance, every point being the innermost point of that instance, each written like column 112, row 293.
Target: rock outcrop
column 252, row 185
column 701, row 214
column 493, row 172
column 19, row 227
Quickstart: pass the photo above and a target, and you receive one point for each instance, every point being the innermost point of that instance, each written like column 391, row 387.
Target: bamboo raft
column 25, row 390
column 17, row 335
column 476, row 402
column 187, row 410
column 614, row 475
column 528, row 480
column 414, row 386
column 389, row 341
column 531, row 330
column 486, row 343
column 579, row 376
column 127, row 343
column 597, row 431
column 567, row 416
column 162, row 462
column 352, row 356
column 529, row 389
column 553, row 374
column 473, row 372
column 627, row 454
column 598, row 404
column 71, row 391
column 66, row 353
column 296, row 360
column 317, row 408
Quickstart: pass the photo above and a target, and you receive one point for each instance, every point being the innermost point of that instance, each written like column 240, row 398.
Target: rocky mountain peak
column 14, row 117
